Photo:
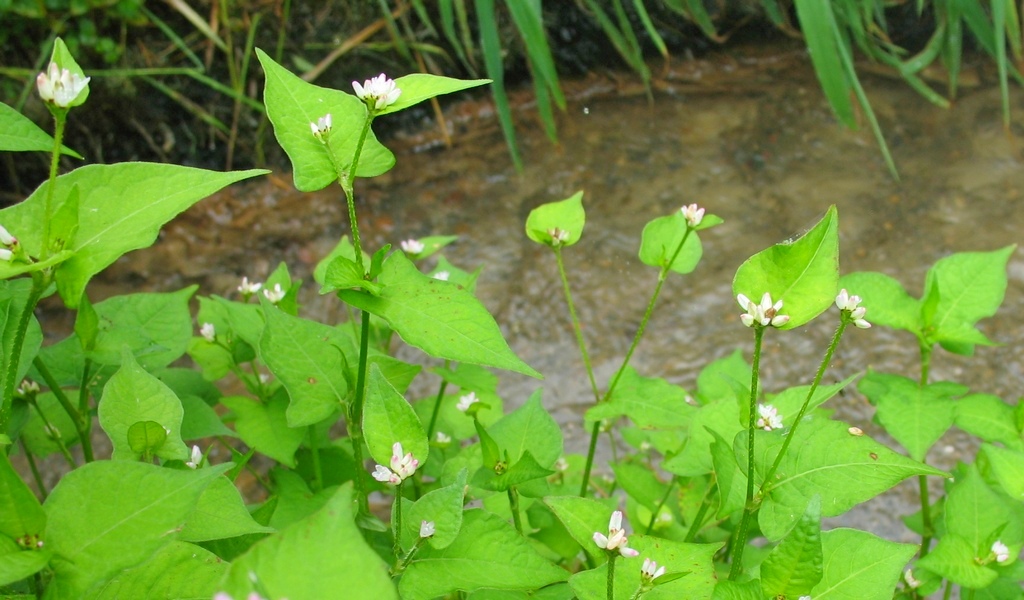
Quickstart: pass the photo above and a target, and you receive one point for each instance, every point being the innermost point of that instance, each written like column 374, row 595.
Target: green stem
column 595, row 431
column 788, row 438
column 748, row 508
column 39, row 284
column 76, row 417
column 698, row 519
column 437, row 404
column 60, row 116
column 35, row 470
column 314, row 450
column 927, row 528
column 83, row 411
column 577, row 329
column 355, row 425
column 611, row 574
column 398, row 521
column 513, row 504
column 926, row 361
column 664, row 499
column 347, row 179
column 54, row 435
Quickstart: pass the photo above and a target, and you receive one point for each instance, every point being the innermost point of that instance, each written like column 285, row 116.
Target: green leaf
column 789, row 401
column 220, row 513
column 488, row 553
column 317, row 557
column 133, row 395
column 970, row 287
column 292, row 104
column 107, row 516
column 154, row 193
column 532, row 428
column 660, row 240
column 803, row 273
column 794, row 567
column 418, row 87
column 860, row 565
column 440, row 318
column 305, row 356
column 200, row 420
column 721, row 417
column 567, row 215
column 14, row 297
column 887, row 302
column 19, row 134
column 17, row 564
column 581, row 518
column 62, row 56
column 989, row 418
column 388, row 418
column 265, row 427
column 343, row 273
column 156, row 327
column 730, row 590
column 1008, row 467
column 825, row 459
column 521, row 471
column 915, row 416
column 21, row 515
column 146, row 437
column 977, row 514
column 647, row 401
column 178, row 570
column 955, row 559
column 729, row 477
column 716, row 379
column 443, row 507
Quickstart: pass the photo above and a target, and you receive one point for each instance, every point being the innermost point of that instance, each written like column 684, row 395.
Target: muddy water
column 746, row 134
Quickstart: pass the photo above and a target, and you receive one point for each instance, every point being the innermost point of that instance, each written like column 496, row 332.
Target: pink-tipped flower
column 1001, row 551
column 763, row 314
column 651, row 571
column 693, row 214
column 321, row 128
column 378, row 93
column 404, row 465
column 385, row 475
column 60, row 86
column 770, row 418
column 851, row 306
column 6, row 238
column 616, row 538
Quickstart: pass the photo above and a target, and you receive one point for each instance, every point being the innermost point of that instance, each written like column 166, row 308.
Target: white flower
column 6, row 238
column 321, row 128
column 402, row 467
column 558, row 235
column 208, row 332
column 247, row 289
column 616, row 538
column 28, row 387
column 912, row 581
column 60, row 86
column 466, row 401
column 1001, row 551
column 443, row 438
column 763, row 314
column 378, row 93
column 441, row 275
column 694, row 214
column 770, row 417
column 651, row 571
column 561, row 464
column 275, row 295
column 195, row 459
column 412, row 246
column 851, row 304
column 6, row 254
column 426, row 529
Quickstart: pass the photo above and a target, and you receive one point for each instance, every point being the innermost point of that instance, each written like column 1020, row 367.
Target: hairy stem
column 611, row 574
column 355, row 426
column 513, row 504
column 39, row 284
column 748, row 508
column 60, row 117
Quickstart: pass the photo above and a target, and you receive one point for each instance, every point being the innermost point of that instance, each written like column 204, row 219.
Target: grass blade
column 490, row 45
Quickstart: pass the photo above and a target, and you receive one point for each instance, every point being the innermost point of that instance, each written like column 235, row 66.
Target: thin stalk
column 314, row 450
column 927, row 528
column 60, row 117
column 611, row 574
column 788, row 439
column 577, row 328
column 76, row 417
column 347, row 179
column 437, row 404
column 83, row 411
column 748, row 508
column 698, row 519
column 355, row 425
column 398, row 521
column 590, row 457
column 664, row 499
column 39, row 284
column 35, row 470
column 54, row 434
column 513, row 504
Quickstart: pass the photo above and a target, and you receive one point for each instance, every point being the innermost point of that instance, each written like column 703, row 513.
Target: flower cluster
column 10, row 244
column 402, row 467
column 378, row 93
column 616, row 538
column 851, row 305
column 651, row 571
column 412, row 246
column 275, row 295
column 693, row 214
column 559, row 236
column 208, row 332
column 466, row 401
column 770, row 418
column 248, row 289
column 60, row 87
column 763, row 314
column 321, row 128
column 1000, row 551
column 195, row 459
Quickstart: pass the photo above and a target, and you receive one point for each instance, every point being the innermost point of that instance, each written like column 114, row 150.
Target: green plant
column 708, row 470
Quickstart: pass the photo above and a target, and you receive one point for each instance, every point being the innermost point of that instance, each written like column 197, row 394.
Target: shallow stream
column 745, row 133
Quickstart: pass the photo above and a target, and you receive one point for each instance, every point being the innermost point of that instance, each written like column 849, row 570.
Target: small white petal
column 426, row 529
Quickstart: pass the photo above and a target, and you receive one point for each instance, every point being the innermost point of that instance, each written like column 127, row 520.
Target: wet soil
column 744, row 132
